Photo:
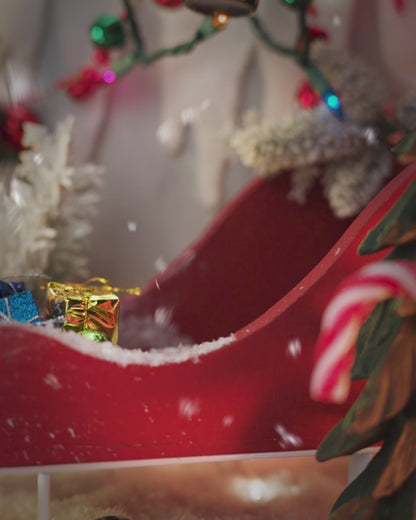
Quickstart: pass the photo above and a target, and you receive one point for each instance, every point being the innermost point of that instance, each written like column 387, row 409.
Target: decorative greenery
column 139, row 55
column 208, row 28
column 405, row 145
column 300, row 52
column 386, row 409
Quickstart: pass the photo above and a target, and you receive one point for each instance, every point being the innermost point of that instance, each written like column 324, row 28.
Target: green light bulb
column 108, row 32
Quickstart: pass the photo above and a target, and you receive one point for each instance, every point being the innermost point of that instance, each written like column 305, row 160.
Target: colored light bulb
column 220, row 20
column 109, row 76
column 332, row 101
column 108, row 32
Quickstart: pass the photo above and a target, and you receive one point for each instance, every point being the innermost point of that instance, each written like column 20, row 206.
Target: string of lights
column 109, row 32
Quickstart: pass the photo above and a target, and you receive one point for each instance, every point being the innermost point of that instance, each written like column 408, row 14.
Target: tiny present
column 16, row 303
column 85, row 307
column 9, row 288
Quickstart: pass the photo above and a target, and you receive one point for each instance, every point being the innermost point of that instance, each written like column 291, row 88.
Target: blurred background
column 161, row 132
column 294, row 488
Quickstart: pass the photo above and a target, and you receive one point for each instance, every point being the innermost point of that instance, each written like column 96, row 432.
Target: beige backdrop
column 155, row 203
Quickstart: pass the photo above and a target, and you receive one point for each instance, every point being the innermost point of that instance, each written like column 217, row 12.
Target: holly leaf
column 392, row 387
column 403, row 252
column 342, row 441
column 375, row 337
column 405, row 144
column 356, row 499
column 386, row 394
column 358, row 508
column 359, row 501
column 399, row 506
column 381, row 327
column 403, row 459
column 397, row 227
column 402, row 503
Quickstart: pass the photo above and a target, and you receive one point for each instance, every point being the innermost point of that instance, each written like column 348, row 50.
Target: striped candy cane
column 343, row 318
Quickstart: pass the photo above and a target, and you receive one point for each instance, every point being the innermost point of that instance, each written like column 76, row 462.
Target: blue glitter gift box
column 8, row 288
column 19, row 306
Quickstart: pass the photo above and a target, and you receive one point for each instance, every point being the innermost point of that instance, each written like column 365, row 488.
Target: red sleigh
column 259, row 278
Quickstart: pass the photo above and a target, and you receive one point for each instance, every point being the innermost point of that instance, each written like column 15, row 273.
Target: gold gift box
column 85, row 307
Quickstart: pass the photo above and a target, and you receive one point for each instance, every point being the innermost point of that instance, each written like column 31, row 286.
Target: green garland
column 124, row 64
column 299, row 52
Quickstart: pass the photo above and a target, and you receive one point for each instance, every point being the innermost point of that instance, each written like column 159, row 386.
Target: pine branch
column 386, row 409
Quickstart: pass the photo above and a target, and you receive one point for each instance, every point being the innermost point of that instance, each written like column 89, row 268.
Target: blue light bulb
column 332, row 101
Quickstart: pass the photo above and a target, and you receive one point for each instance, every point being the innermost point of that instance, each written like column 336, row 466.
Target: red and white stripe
column 343, row 318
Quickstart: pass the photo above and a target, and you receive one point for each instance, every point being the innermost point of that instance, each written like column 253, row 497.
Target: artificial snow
column 287, row 439
column 189, row 408
column 107, row 351
column 152, row 331
column 52, row 381
column 294, row 348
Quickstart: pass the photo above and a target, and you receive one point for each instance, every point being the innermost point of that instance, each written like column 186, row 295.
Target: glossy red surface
column 260, row 272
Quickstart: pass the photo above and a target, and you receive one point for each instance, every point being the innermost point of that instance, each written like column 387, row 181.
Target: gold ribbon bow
column 107, row 286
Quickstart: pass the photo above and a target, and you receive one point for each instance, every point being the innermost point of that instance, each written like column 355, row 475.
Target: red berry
column 101, row 57
column 83, row 84
column 316, row 33
column 90, row 75
column 306, row 96
column 13, row 117
column 79, row 89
